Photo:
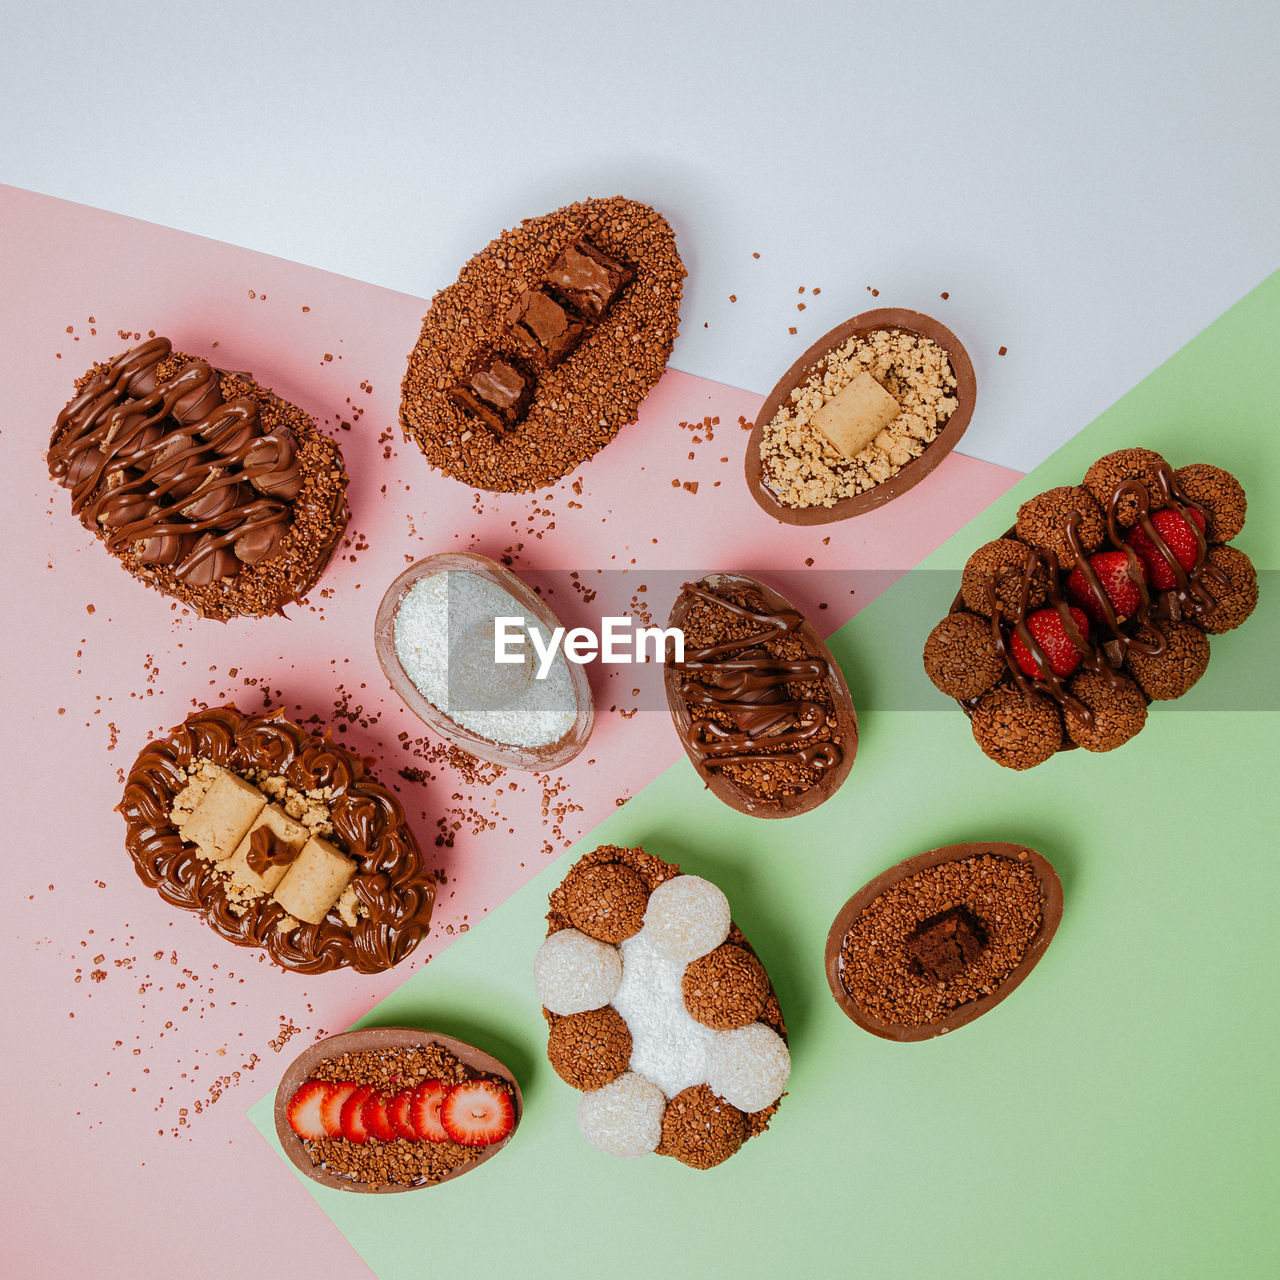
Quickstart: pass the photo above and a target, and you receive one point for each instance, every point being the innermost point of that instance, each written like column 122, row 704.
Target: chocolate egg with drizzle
column 761, row 707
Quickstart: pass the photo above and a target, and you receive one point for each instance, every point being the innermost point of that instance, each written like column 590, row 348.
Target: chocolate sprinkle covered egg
column 674, row 1035
column 545, row 346
column 200, row 481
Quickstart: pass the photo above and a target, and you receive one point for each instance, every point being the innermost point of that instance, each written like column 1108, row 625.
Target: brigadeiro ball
column 995, row 557
column 726, row 988
column 1219, row 493
column 1042, row 521
column 590, row 1049
column 1119, row 711
column 1105, row 476
column 606, row 900
column 1017, row 730
column 624, row 1117
column 701, row 1130
column 1235, row 602
column 1171, row 673
column 960, row 656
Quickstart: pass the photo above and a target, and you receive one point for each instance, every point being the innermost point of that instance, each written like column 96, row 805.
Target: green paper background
column 1115, row 1117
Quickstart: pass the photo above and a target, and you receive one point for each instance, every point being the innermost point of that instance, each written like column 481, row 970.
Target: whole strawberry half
column 1047, row 628
column 1178, row 536
column 1112, row 569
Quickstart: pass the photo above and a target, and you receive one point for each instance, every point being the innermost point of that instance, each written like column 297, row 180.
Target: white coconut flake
column 444, row 628
column 575, row 973
column 624, row 1118
column 667, row 1046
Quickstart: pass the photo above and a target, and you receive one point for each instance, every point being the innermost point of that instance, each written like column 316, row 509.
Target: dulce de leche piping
column 170, row 470
column 749, row 685
column 391, row 884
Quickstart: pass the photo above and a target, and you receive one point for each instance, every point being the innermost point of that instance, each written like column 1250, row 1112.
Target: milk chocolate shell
column 912, row 472
column 1050, row 908
column 390, row 894
column 383, row 1039
column 545, row 346
column 202, row 483
column 756, row 700
column 549, row 756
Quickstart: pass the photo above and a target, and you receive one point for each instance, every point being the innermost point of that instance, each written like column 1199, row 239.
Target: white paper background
column 1091, row 183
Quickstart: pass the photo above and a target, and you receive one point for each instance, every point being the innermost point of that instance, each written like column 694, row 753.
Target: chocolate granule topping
column 606, row 900
column 700, row 1129
column 1234, row 602
column 580, row 404
column 1106, row 475
column 726, row 988
column 1017, row 730
column 402, row 1162
column 961, row 658
column 1042, row 522
column 202, row 483
column 1000, row 895
column 1117, row 709
column 1171, row 672
column 589, row 1049
column 1218, row 494
column 994, row 558
column 394, row 891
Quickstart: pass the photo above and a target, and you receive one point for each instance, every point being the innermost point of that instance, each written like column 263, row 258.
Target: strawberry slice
column 424, row 1112
column 353, row 1126
column 1112, row 569
column 1178, row 536
column 1047, row 628
column 331, row 1112
column 305, row 1111
column 376, row 1119
column 399, row 1108
column 477, row 1113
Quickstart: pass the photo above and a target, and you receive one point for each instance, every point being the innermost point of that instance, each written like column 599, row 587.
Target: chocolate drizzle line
column 750, row 686
column 1190, row 595
column 368, row 823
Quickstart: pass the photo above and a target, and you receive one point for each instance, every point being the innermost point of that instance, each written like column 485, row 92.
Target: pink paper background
column 137, row 1037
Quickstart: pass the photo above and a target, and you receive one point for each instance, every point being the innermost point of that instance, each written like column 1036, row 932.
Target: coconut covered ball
column 1235, row 602
column 575, row 973
column 1119, row 711
column 960, row 656
column 589, row 1049
column 995, row 557
column 1219, row 494
column 624, row 1118
column 1042, row 521
column 606, row 900
column 726, row 988
column 1105, row 476
column 1170, row 674
column 701, row 1130
column 1016, row 729
column 749, row 1067
column 687, row 917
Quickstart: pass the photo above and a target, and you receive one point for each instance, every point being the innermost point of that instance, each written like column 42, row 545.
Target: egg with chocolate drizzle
column 167, row 471
column 764, row 713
